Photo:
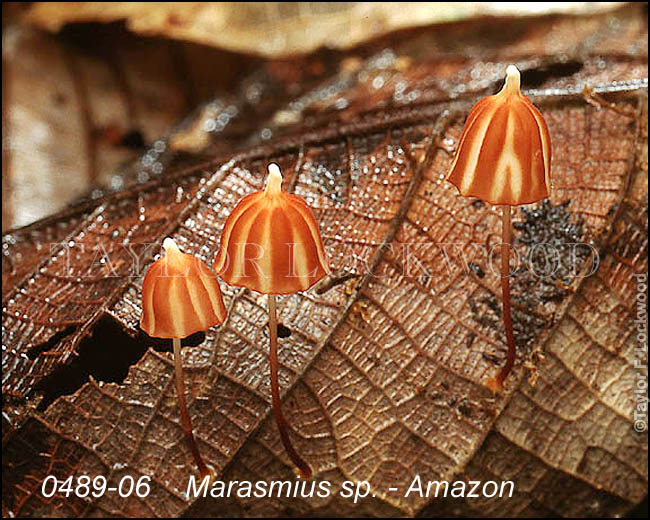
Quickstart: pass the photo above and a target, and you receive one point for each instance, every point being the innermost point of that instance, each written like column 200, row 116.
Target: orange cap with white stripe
column 180, row 296
column 504, row 153
column 271, row 243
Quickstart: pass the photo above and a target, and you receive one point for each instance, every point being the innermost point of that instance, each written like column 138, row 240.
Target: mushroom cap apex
column 513, row 80
column 274, row 169
column 512, row 70
column 274, row 179
column 169, row 244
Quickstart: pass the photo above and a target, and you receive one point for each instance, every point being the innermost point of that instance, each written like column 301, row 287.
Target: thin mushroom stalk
column 283, row 426
column 278, row 232
column 181, row 296
column 504, row 158
column 496, row 383
column 186, row 422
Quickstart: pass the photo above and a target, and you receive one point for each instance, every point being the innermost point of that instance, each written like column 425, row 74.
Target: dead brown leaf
column 383, row 374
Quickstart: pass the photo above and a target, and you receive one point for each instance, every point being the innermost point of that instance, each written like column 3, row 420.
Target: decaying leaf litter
column 374, row 410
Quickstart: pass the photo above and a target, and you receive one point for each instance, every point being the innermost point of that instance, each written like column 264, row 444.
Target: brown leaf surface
column 382, row 375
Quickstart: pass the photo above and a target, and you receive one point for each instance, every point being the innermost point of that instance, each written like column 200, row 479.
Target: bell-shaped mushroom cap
column 271, row 243
column 180, row 296
column 504, row 153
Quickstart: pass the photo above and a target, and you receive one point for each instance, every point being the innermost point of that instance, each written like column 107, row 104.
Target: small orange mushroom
column 271, row 244
column 504, row 157
column 180, row 296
